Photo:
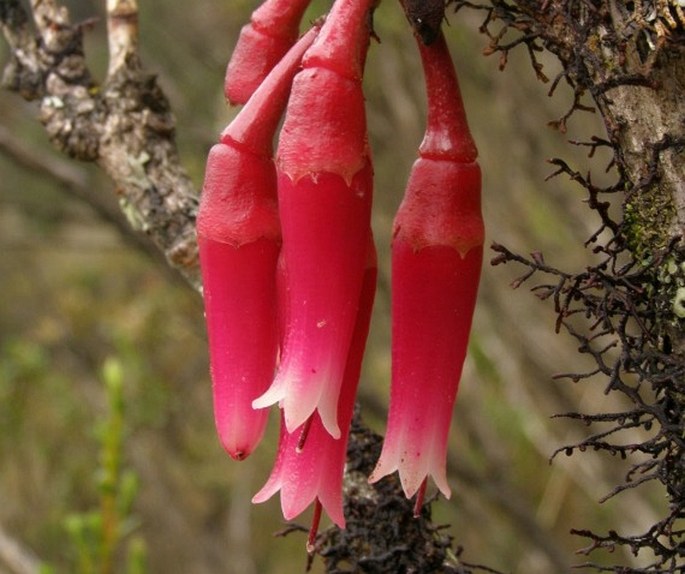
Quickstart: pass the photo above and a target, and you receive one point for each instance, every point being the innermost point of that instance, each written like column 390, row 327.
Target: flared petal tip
column 441, row 482
column 411, row 481
column 300, row 397
column 333, row 430
column 328, row 411
column 331, row 500
column 297, row 505
column 294, row 505
column 267, row 491
column 336, row 516
column 273, row 395
column 294, row 419
column 382, row 470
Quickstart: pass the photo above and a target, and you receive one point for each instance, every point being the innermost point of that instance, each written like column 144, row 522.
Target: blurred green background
column 76, row 293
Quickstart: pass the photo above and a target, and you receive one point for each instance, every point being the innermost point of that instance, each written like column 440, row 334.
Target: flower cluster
column 289, row 265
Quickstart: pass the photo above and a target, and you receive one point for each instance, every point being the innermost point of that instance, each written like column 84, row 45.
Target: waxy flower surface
column 436, row 260
column 272, row 30
column 289, row 266
column 310, row 462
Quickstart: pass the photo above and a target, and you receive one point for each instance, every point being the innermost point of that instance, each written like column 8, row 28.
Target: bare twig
column 122, row 33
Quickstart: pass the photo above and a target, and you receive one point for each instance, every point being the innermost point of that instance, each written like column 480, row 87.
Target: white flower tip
column 261, row 496
column 267, row 491
column 332, row 427
column 410, row 483
column 272, row 395
column 295, row 417
column 382, row 470
column 337, row 517
column 328, row 410
column 298, row 407
column 443, row 487
column 257, row 499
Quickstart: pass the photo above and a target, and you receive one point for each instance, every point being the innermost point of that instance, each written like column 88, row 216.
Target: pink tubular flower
column 324, row 190
column 436, row 260
column 272, row 30
column 313, row 471
column 239, row 240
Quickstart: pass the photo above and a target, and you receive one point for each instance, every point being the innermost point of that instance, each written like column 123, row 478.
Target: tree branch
column 629, row 58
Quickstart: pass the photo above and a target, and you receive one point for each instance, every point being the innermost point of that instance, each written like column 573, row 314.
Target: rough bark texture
column 627, row 56
column 382, row 534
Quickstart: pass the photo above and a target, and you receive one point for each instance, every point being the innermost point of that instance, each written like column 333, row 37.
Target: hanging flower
column 324, row 191
column 436, row 260
column 310, row 462
column 272, row 30
column 239, row 241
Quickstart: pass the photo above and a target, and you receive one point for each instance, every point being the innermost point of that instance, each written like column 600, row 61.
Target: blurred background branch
column 72, row 180
column 16, row 557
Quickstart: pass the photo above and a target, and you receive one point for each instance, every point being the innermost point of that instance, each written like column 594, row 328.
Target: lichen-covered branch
column 124, row 125
column 626, row 311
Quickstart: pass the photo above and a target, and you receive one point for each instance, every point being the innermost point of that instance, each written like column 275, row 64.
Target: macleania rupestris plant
column 272, row 30
column 311, row 470
column 324, row 192
column 239, row 240
column 437, row 252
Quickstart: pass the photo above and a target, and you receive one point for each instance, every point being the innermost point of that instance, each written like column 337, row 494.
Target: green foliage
column 98, row 535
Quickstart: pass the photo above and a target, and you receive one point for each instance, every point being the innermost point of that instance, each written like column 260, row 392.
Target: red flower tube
column 272, row 30
column 239, row 241
column 313, row 471
column 437, row 253
column 324, row 190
